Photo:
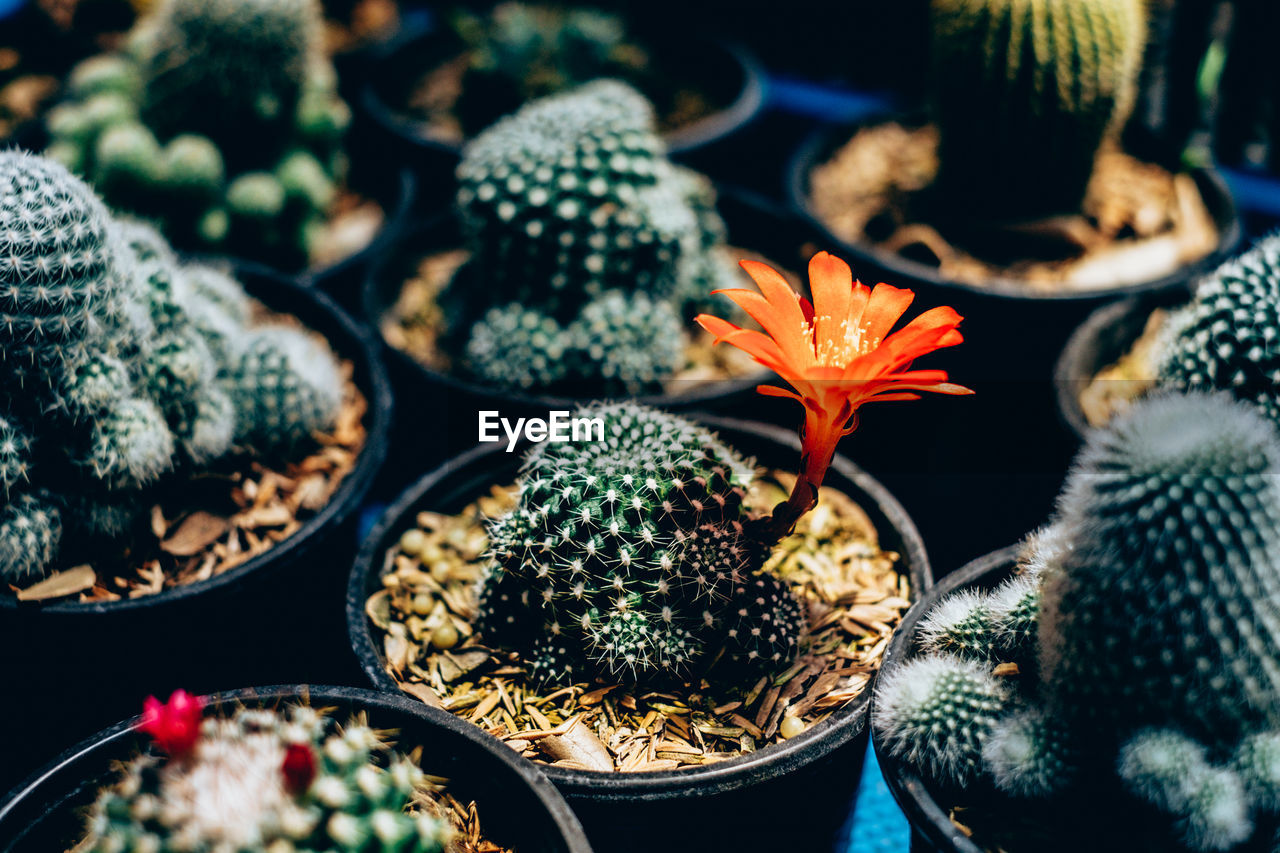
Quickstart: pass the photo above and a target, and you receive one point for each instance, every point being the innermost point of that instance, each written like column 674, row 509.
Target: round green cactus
column 1030, row 754
column 1224, row 340
column 629, row 342
column 516, row 347
column 633, row 554
column 265, row 780
column 30, row 532
column 1026, row 92
column 1175, row 518
column 287, row 387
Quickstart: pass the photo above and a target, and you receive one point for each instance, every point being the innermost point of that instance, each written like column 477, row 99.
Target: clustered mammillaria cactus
column 632, row 557
column 1030, row 87
column 588, row 247
column 1146, row 625
column 270, row 780
column 220, row 120
column 120, row 366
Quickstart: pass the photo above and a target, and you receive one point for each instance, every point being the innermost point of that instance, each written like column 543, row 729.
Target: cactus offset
column 1026, row 93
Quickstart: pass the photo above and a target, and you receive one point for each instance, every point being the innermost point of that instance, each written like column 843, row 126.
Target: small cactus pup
column 1134, row 654
column 1026, row 92
column 589, row 249
column 124, row 373
column 219, row 122
column 635, row 555
column 271, row 779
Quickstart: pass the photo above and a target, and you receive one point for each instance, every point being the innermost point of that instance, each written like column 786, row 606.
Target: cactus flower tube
column 838, row 353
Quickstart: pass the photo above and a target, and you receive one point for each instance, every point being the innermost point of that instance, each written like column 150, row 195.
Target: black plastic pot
column 1001, row 318
column 728, row 71
column 267, row 620
column 518, row 807
column 801, row 789
column 439, row 410
column 1099, row 342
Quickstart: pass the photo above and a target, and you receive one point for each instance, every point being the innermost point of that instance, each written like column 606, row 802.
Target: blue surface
column 9, row 7
column 876, row 825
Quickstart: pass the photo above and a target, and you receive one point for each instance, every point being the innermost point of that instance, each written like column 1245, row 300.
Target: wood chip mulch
column 221, row 519
column 416, row 323
column 855, row 596
column 1139, row 220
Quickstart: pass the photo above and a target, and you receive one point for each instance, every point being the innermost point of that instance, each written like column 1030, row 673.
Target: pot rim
column 909, row 790
column 265, row 285
column 820, row 142
column 532, row 777
column 374, row 308
column 769, row 762
column 747, row 104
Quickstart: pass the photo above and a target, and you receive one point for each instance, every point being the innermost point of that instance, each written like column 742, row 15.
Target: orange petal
column 884, row 309
column 831, row 282
column 787, row 318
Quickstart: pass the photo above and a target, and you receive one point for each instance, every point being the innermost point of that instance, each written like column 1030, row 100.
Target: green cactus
column 222, row 123
column 1176, row 513
column 628, row 342
column 1224, row 340
column 937, row 712
column 516, row 347
column 633, row 554
column 1030, row 754
column 125, row 361
column 286, row 387
column 282, row 781
column 1026, row 92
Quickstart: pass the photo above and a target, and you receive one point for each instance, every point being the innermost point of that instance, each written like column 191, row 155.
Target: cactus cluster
column 1030, row 87
column 220, row 122
column 1154, row 610
column 119, row 366
column 1225, row 338
column 284, row 781
column 633, row 557
column 596, row 242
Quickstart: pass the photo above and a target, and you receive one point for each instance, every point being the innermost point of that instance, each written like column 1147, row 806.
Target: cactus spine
column 1026, row 92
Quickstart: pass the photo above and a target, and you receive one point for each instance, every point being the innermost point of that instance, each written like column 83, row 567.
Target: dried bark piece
column 58, row 584
column 579, row 745
column 194, row 533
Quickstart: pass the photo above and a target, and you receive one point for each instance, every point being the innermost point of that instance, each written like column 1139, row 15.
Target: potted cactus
column 1119, row 668
column 221, row 123
column 649, row 577
column 287, row 769
column 583, row 254
column 1216, row 340
column 1017, row 186
column 435, row 90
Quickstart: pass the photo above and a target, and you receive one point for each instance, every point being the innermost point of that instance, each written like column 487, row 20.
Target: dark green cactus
column 1225, row 339
column 1026, row 91
column 628, row 342
column 517, row 347
column 118, row 365
column 633, row 555
column 222, row 123
column 265, row 780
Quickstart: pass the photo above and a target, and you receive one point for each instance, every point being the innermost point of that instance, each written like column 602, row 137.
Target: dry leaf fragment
column 195, row 533
column 577, row 744
column 58, row 584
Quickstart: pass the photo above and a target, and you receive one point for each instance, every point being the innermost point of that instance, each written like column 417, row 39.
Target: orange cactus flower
column 837, row 353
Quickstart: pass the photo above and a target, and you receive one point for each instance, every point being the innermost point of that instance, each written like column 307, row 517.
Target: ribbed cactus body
column 1226, row 338
column 1026, row 91
column 517, row 347
column 265, row 780
column 629, row 342
column 633, row 554
column 1166, row 610
column 286, row 387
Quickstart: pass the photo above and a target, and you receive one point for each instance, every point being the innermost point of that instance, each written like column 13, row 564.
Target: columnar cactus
column 1155, row 606
column 631, row 556
column 118, row 365
column 1026, row 91
column 575, row 217
column 269, row 780
column 1225, row 338
column 221, row 122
